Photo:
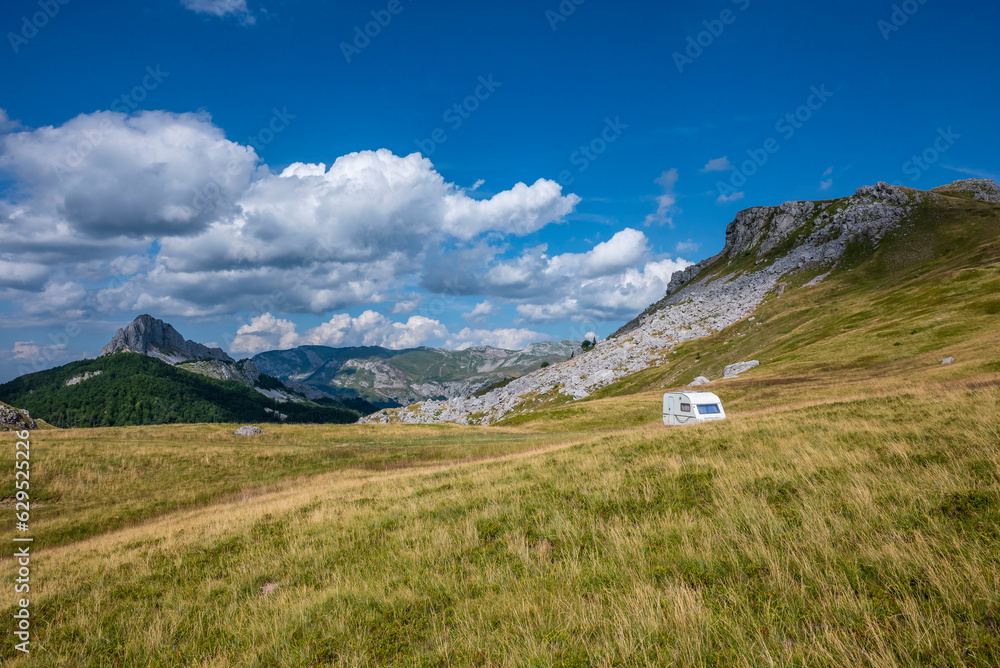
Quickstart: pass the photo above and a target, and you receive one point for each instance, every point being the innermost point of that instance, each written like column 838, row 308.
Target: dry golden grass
column 858, row 532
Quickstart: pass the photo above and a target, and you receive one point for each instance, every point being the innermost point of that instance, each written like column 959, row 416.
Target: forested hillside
column 131, row 389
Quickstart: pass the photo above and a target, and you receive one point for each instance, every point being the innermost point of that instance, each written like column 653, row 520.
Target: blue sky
column 264, row 174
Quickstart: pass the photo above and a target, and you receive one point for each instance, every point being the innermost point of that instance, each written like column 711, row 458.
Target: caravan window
column 685, row 408
column 709, row 409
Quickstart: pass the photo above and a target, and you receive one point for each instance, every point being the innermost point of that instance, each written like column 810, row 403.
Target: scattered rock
column 947, row 360
column 79, row 379
column 700, row 380
column 734, row 370
column 248, row 431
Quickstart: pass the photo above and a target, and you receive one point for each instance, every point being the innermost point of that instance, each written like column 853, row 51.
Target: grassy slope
column 932, row 290
column 845, row 514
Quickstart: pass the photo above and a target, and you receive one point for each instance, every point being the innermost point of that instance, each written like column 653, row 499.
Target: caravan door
column 668, row 410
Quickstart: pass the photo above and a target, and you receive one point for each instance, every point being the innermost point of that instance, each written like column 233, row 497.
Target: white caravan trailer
column 691, row 408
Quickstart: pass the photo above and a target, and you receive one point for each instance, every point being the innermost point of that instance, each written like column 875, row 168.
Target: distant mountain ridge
column 389, row 378
column 155, row 338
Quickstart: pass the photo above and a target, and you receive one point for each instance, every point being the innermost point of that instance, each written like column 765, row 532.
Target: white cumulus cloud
column 170, row 215
column 105, row 178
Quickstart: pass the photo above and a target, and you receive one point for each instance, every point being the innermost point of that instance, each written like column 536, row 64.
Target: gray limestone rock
column 733, row 370
column 983, row 190
column 15, row 419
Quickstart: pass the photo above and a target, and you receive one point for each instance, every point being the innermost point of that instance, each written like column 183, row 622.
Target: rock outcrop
column 701, row 300
column 149, row 336
column 983, row 190
column 248, row 431
column 700, row 380
column 734, row 370
column 15, row 419
column 76, row 380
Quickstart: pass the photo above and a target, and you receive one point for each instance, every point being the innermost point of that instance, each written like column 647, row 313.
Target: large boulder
column 248, row 431
column 700, row 380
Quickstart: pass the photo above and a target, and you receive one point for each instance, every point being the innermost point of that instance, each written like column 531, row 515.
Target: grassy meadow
column 846, row 514
column 855, row 532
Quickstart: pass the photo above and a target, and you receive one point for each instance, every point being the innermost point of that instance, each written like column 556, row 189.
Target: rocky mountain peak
column 828, row 225
column 153, row 337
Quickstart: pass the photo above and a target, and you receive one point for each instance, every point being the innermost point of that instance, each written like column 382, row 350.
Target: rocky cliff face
column 763, row 245
column 148, row 336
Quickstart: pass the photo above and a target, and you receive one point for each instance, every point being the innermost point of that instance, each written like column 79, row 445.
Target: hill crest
column 767, row 251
